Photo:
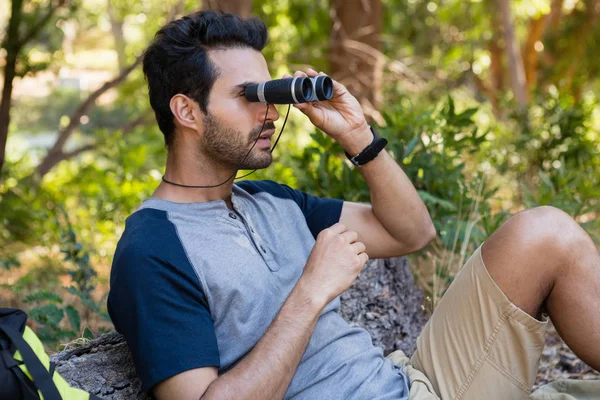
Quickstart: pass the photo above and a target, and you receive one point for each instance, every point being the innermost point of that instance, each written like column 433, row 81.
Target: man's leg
column 543, row 260
column 483, row 341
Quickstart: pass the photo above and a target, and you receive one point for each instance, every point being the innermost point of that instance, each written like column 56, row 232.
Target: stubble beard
column 229, row 146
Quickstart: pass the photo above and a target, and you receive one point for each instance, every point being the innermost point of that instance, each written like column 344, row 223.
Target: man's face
column 232, row 123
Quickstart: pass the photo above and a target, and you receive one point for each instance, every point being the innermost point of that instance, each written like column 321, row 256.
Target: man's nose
column 272, row 115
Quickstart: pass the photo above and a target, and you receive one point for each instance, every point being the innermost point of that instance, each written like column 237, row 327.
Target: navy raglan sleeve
column 157, row 303
column 320, row 212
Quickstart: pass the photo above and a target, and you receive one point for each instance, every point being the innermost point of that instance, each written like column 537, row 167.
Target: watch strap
column 369, row 152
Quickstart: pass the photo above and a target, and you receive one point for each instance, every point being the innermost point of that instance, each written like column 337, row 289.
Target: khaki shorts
column 478, row 345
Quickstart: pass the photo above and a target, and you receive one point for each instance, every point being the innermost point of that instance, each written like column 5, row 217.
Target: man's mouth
column 267, row 134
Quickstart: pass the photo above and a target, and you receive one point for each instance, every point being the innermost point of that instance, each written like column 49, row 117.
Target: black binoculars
column 300, row 89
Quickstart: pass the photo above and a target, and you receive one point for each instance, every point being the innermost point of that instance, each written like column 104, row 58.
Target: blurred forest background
column 490, row 106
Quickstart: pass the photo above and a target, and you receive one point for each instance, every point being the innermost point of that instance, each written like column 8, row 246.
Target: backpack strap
column 28, row 388
column 41, row 377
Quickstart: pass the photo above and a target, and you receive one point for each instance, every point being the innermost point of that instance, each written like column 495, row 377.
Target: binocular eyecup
column 300, row 89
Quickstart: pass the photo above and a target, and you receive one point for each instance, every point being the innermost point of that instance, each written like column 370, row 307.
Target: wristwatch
column 370, row 152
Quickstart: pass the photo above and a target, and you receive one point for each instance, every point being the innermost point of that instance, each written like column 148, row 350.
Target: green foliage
column 556, row 157
column 10, row 262
column 43, row 296
column 74, row 318
column 47, row 306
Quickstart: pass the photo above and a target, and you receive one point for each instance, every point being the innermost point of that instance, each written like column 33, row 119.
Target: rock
column 103, row 367
column 384, row 300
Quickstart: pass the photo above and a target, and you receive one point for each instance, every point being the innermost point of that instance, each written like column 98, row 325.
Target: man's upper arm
column 379, row 243
column 188, row 385
column 156, row 301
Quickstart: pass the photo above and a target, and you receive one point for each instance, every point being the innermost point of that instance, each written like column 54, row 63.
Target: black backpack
column 25, row 369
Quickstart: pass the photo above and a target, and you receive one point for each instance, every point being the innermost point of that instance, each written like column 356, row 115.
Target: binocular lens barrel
column 322, row 88
column 295, row 90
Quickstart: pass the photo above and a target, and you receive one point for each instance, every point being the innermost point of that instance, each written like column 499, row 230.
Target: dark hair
column 177, row 61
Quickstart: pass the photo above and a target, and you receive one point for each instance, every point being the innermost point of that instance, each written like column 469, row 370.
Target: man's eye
column 243, row 91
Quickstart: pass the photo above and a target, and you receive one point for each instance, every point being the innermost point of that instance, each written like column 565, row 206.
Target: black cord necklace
column 247, row 154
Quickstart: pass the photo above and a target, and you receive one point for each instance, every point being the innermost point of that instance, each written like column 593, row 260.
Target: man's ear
column 185, row 111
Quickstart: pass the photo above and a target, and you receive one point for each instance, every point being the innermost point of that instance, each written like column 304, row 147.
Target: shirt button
column 232, row 215
column 251, row 230
column 263, row 249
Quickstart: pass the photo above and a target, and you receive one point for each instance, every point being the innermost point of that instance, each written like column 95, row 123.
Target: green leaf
column 49, row 315
column 548, row 182
column 467, row 114
column 43, row 295
column 9, row 263
column 430, row 199
column 75, row 292
column 451, row 113
column 87, row 333
column 74, row 319
column 410, row 147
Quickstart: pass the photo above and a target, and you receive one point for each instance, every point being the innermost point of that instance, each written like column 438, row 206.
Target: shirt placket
column 261, row 247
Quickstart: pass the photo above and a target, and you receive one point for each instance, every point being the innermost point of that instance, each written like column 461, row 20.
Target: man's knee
column 541, row 240
column 549, row 231
column 527, row 253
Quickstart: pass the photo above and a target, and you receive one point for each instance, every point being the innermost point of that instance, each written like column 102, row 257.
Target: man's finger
column 311, row 72
column 338, row 228
column 351, row 236
column 364, row 257
column 359, row 247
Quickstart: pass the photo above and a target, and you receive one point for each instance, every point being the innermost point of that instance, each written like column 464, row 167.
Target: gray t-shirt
column 197, row 284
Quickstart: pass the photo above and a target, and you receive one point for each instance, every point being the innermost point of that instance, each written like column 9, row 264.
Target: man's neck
column 187, row 169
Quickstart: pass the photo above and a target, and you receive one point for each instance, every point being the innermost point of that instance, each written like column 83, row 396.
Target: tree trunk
column 12, row 48
column 555, row 13
column 14, row 41
column 242, row 8
column 116, row 26
column 515, row 60
column 535, row 30
column 9, row 76
column 356, row 59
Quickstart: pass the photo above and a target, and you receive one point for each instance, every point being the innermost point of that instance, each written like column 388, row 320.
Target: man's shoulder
column 150, row 251
column 148, row 233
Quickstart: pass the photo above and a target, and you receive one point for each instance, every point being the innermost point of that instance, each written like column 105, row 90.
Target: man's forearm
column 392, row 190
column 266, row 372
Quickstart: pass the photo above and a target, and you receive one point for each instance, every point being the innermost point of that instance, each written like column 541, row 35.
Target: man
column 227, row 290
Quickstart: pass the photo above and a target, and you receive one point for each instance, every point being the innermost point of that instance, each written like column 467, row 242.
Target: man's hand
column 334, row 263
column 341, row 117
